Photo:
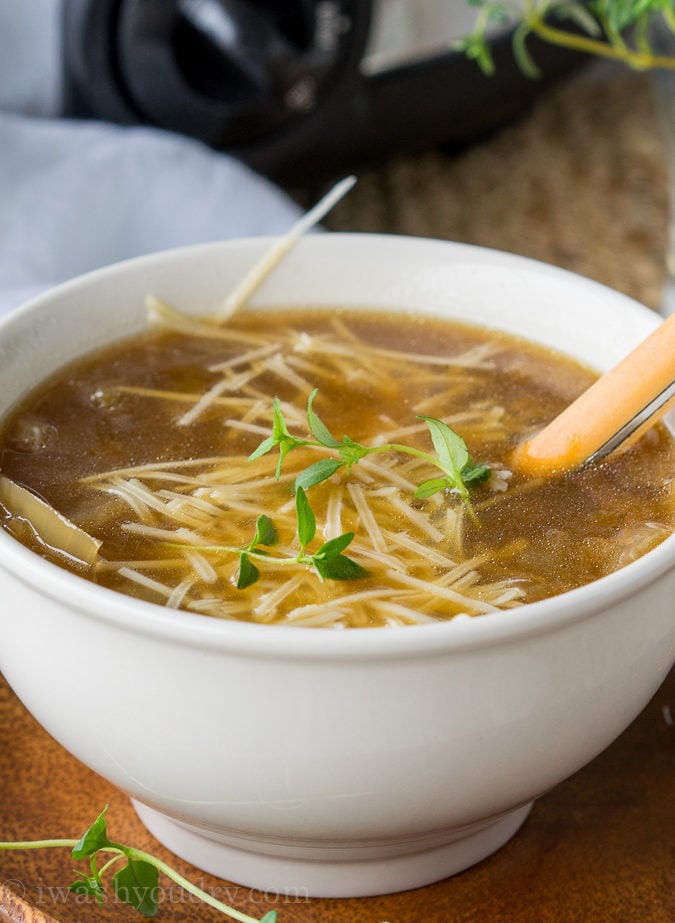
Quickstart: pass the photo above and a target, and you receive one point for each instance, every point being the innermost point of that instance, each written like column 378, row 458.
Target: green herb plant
column 617, row 29
column 328, row 561
column 452, row 458
column 457, row 473
column 135, row 882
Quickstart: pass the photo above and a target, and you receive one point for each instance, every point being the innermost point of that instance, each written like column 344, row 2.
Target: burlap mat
column 580, row 182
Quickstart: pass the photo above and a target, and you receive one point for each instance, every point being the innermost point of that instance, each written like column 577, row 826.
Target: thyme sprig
column 136, row 880
column 452, row 457
column 617, row 29
column 328, row 561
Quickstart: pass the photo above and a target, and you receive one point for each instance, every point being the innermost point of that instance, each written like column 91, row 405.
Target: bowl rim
column 141, row 617
column 297, row 642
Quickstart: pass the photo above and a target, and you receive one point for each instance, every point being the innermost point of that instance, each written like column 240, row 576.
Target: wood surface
column 599, row 848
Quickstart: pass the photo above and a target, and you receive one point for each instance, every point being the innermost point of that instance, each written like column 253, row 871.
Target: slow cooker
column 297, row 89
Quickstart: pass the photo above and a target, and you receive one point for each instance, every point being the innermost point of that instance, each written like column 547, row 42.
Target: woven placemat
column 580, row 182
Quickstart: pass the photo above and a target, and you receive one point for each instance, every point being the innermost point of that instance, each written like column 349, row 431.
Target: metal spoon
column 642, row 420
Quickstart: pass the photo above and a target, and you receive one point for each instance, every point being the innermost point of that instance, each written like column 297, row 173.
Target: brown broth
column 120, row 408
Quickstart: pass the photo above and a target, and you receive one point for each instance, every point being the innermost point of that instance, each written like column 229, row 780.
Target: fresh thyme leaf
column 429, row 488
column 265, row 446
column 280, row 437
column 136, row 885
column 279, row 428
column 475, row 474
column 265, row 533
column 339, row 567
column 93, row 839
column 450, row 448
column 454, row 460
column 318, row 472
column 578, row 13
column 476, row 45
column 317, row 428
column 521, row 53
column 334, row 545
column 619, row 14
column 330, row 564
column 306, row 518
column 248, row 573
column 90, row 886
column 476, row 48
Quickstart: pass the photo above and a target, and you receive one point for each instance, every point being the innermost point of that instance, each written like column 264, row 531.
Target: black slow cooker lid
column 281, row 85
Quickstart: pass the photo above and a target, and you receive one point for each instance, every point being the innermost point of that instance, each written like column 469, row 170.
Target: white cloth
column 78, row 195
column 30, row 56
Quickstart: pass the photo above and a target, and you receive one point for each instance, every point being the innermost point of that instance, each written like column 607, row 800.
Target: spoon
column 611, row 414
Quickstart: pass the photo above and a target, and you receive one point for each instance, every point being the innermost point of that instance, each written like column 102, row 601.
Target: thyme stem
column 141, row 855
column 418, row 453
column 191, row 888
column 639, row 60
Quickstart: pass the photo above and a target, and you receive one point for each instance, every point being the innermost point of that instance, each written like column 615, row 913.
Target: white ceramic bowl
column 332, row 763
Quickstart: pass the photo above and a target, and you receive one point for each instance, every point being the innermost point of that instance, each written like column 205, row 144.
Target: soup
column 152, row 448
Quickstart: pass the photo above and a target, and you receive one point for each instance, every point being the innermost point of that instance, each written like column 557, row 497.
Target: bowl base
column 350, row 877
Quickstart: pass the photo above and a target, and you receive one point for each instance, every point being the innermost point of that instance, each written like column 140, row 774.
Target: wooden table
column 600, row 848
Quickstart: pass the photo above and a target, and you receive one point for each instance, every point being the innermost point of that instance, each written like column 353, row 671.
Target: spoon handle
column 616, row 409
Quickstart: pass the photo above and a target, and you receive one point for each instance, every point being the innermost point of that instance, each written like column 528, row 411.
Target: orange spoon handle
column 605, row 408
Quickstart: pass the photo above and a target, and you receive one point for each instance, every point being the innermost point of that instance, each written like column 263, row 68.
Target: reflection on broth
column 145, row 446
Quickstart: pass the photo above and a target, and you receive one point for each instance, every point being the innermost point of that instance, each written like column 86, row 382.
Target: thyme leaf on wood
column 135, row 881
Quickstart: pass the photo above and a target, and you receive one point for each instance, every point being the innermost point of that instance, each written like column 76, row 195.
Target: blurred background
column 133, row 125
